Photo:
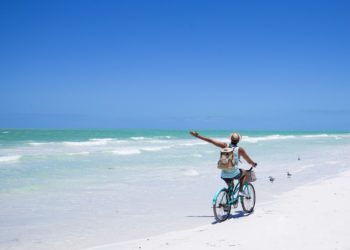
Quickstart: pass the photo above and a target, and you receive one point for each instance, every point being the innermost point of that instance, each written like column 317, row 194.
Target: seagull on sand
column 271, row 179
column 289, row 174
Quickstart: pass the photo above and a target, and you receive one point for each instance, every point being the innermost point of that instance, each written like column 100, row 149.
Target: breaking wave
column 10, row 158
column 126, row 152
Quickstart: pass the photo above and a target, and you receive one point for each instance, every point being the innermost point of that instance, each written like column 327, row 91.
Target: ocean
column 73, row 189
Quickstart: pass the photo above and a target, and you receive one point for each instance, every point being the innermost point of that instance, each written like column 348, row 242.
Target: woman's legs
column 229, row 181
column 242, row 179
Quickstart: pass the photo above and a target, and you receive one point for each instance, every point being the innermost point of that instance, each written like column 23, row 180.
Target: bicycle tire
column 248, row 203
column 221, row 207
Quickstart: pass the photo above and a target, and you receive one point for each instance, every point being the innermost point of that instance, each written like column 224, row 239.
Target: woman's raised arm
column 212, row 141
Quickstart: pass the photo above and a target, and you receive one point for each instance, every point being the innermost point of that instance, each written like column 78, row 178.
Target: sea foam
column 93, row 142
column 126, row 152
column 137, row 138
column 102, row 139
column 191, row 144
column 315, row 136
column 267, row 138
column 152, row 149
column 10, row 158
column 38, row 143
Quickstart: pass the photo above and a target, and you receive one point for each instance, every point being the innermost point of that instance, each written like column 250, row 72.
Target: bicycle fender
column 216, row 195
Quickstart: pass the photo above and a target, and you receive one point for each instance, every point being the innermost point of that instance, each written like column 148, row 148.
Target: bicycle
column 227, row 197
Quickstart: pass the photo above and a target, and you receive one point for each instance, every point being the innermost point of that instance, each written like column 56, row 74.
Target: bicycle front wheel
column 248, row 203
column 221, row 207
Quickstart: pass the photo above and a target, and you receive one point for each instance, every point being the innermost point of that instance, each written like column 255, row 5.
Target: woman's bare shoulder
column 241, row 150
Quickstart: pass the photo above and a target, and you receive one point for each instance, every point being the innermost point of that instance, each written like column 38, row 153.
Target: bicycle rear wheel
column 221, row 207
column 248, row 203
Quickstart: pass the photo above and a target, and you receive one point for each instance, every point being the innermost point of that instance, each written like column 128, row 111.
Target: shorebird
column 298, row 158
column 289, row 174
column 271, row 179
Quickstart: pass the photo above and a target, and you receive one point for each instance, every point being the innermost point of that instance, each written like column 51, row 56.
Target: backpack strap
column 236, row 152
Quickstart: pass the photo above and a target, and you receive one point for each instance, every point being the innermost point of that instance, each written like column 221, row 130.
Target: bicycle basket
column 251, row 176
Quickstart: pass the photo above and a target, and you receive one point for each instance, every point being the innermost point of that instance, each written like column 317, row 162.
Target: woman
column 235, row 173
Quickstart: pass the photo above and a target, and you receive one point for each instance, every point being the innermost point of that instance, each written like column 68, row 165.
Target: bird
column 271, row 179
column 289, row 174
column 298, row 158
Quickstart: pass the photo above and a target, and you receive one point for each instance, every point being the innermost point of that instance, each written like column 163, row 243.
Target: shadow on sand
column 200, row 216
column 236, row 215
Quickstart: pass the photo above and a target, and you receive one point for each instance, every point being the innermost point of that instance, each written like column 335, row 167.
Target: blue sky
column 264, row 65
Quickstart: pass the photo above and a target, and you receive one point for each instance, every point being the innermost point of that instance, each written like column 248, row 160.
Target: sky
column 235, row 64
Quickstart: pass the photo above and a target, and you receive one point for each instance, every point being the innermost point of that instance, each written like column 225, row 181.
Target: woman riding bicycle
column 235, row 173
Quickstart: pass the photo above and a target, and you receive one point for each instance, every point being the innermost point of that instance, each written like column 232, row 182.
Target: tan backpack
column 226, row 161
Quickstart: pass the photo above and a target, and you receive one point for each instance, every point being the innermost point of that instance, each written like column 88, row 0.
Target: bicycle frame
column 231, row 191
column 228, row 197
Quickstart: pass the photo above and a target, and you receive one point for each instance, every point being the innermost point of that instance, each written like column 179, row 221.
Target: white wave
column 10, row 158
column 163, row 137
column 102, row 139
column 90, row 142
column 141, row 138
column 284, row 137
column 5, row 132
column 266, row 138
column 38, row 143
column 80, row 153
column 190, row 144
column 315, row 136
column 93, row 142
column 126, row 151
column 191, row 172
column 155, row 148
column 137, row 138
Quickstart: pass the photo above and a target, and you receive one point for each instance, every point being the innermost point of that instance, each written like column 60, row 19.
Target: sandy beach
column 313, row 216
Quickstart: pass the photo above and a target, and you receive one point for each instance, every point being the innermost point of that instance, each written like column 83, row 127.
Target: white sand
column 315, row 216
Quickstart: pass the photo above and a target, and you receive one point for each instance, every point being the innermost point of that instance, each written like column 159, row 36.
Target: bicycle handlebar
column 251, row 168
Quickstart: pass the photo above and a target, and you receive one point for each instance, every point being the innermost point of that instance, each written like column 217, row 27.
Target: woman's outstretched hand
column 194, row 133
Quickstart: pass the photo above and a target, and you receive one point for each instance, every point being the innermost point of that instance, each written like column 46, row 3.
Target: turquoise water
column 79, row 188
column 20, row 135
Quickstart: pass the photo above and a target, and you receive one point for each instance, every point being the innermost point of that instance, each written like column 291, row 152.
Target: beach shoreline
column 73, row 192
column 312, row 216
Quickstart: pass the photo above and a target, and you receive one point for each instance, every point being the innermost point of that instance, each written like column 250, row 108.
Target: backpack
column 226, row 161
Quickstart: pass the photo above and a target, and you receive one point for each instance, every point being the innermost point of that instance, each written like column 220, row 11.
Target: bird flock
column 289, row 175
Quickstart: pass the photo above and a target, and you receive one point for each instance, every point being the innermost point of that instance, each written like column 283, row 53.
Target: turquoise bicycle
column 227, row 197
